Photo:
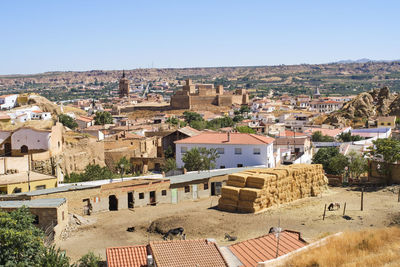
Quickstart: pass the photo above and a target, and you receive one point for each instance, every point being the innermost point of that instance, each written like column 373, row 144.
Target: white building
column 234, row 149
column 8, row 101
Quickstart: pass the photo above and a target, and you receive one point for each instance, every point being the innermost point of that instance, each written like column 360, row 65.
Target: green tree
column 319, row 137
column 103, row 117
column 387, row 152
column 245, row 129
column 347, row 137
column 338, row 164
column 358, row 165
column 192, row 116
column 173, row 120
column 67, row 121
column 123, row 165
column 21, row 243
column 169, row 153
column 170, row 165
column 244, row 109
column 198, row 125
column 54, row 257
column 238, row 118
column 324, row 157
column 92, row 172
column 89, row 260
column 198, row 159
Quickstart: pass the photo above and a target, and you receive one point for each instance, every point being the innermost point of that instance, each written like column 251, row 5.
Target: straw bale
column 235, row 183
column 230, row 192
column 250, row 194
column 259, row 181
column 241, row 177
column 227, row 207
column 227, row 201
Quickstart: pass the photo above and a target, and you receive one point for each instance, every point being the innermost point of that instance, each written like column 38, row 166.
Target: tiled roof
column 329, row 132
column 291, row 141
column 188, row 253
column 84, row 118
column 253, row 251
column 130, row 256
column 222, row 138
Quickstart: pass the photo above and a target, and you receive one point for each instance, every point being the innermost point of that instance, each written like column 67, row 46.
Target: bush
column 92, row 172
column 89, row 260
column 67, row 121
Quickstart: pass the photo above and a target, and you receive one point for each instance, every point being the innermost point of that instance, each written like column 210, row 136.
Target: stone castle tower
column 123, row 86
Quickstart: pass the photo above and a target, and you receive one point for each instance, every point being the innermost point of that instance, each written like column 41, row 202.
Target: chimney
column 150, row 261
column 229, row 136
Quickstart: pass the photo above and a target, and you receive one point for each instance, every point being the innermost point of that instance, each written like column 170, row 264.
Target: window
column 238, row 151
column 36, row 220
column 205, row 186
column 24, row 149
column 62, row 216
column 382, row 123
column 183, row 149
column 141, row 195
column 389, row 123
column 40, row 187
column 256, row 151
column 164, row 192
column 220, row 150
column 17, row 190
column 187, row 189
column 222, row 167
column 240, row 165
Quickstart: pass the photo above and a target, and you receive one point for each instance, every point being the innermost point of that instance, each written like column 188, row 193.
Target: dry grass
column 374, row 247
column 76, row 111
column 36, row 124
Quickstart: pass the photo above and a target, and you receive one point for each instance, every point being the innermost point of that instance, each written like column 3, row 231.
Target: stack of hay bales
column 257, row 189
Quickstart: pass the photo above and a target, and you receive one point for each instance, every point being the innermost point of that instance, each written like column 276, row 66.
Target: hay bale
column 230, row 192
column 227, row 201
column 237, row 179
column 227, row 207
column 260, row 181
column 236, row 184
column 250, row 194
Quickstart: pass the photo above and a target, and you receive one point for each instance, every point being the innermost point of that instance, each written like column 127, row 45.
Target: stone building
column 197, row 95
column 123, row 86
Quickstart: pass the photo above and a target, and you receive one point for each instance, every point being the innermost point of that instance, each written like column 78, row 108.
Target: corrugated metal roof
column 57, row 190
column 263, row 248
column 371, row 130
column 192, row 176
column 129, row 256
column 35, row 203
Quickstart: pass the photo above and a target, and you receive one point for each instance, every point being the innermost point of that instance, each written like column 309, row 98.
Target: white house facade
column 234, row 149
column 8, row 101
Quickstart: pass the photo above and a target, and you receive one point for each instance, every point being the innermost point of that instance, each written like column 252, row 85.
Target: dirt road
column 200, row 219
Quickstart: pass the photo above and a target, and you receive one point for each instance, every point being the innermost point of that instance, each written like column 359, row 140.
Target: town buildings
column 234, row 149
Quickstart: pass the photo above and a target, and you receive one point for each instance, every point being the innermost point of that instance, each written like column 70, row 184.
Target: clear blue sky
column 38, row 36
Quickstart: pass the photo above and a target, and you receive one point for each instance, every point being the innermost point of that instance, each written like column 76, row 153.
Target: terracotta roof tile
column 130, row 256
column 260, row 249
column 188, row 253
column 84, row 118
column 222, row 138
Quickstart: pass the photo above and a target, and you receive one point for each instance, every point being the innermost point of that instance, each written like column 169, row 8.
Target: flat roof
column 22, row 177
column 57, row 190
column 35, row 203
column 193, row 176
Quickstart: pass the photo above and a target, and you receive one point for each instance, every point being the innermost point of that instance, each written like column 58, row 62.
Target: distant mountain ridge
column 363, row 60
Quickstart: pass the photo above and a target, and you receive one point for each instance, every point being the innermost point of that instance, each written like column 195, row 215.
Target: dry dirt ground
column 201, row 219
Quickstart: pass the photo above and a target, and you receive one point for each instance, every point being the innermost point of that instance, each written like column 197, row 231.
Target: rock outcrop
column 378, row 102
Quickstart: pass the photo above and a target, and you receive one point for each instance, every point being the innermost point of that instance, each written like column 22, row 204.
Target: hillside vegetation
column 373, row 247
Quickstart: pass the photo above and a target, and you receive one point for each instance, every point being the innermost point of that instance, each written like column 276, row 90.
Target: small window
column 222, row 167
column 183, row 150
column 389, row 123
column 205, row 186
column 62, row 216
column 382, row 123
column 164, row 192
column 141, row 195
column 238, row 151
column 240, row 165
column 187, row 189
column 256, row 151
column 39, row 187
column 17, row 190
column 220, row 150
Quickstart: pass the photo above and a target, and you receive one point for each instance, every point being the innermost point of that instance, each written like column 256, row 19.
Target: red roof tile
column 190, row 253
column 222, row 138
column 84, row 118
column 263, row 248
column 130, row 256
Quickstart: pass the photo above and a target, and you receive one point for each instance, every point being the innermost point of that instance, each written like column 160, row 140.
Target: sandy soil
column 200, row 219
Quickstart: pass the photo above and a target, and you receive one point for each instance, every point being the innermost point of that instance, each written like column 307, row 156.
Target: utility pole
column 29, row 182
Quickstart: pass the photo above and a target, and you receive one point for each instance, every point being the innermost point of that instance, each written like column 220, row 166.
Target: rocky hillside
column 378, row 102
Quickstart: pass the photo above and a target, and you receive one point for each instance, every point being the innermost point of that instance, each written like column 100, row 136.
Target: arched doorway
column 112, row 202
column 7, row 149
column 24, row 149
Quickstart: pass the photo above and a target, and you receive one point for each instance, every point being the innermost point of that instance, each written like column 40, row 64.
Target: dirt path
column 200, row 220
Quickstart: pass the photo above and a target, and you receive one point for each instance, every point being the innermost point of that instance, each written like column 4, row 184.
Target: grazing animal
column 230, row 238
column 131, row 229
column 334, row 206
column 274, row 230
column 174, row 232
